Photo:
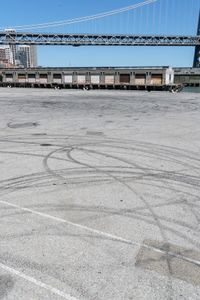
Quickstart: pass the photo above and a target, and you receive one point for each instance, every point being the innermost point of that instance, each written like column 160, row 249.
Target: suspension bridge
column 155, row 16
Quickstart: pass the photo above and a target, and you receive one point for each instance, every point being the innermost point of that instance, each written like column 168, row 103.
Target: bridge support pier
column 196, row 63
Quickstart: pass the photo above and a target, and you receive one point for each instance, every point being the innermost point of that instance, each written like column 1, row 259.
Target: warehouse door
column 156, row 79
column 124, row 78
column 140, row 79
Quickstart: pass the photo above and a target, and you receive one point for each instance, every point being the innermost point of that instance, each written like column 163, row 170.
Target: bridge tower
column 196, row 63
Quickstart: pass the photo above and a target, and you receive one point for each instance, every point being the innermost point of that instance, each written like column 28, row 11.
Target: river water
column 191, row 89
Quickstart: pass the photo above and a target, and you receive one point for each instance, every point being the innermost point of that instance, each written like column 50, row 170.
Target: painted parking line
column 102, row 233
column 37, row 282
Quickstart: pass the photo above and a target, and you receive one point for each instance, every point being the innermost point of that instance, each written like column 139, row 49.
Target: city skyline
column 18, row 56
column 112, row 56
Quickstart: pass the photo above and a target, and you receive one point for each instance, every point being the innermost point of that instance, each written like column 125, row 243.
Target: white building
column 6, row 54
column 13, row 48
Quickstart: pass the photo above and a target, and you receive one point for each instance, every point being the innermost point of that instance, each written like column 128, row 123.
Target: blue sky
column 162, row 17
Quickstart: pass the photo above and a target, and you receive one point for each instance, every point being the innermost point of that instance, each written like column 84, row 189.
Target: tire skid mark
column 157, row 221
column 101, row 233
column 138, row 172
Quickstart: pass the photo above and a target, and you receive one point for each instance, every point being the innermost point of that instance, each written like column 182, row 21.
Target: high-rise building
column 33, row 56
column 27, row 56
column 6, row 54
column 13, row 47
column 2, row 54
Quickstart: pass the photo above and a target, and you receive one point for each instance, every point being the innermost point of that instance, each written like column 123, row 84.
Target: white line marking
column 105, row 234
column 37, row 282
column 47, row 216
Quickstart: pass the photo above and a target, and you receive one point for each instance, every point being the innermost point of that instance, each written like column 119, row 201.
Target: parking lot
column 99, row 195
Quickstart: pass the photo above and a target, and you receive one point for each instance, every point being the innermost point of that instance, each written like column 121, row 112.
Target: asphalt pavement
column 99, row 195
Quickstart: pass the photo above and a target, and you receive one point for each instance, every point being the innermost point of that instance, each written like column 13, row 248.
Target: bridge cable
column 83, row 19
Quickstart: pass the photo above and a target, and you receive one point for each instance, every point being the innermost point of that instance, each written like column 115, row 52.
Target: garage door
column 124, row 78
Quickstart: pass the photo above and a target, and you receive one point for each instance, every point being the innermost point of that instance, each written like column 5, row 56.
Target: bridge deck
column 96, row 39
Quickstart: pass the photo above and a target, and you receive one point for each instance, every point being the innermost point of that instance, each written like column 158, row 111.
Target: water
column 191, row 89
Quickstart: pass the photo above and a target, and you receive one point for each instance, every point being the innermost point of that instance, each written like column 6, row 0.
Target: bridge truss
column 20, row 38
